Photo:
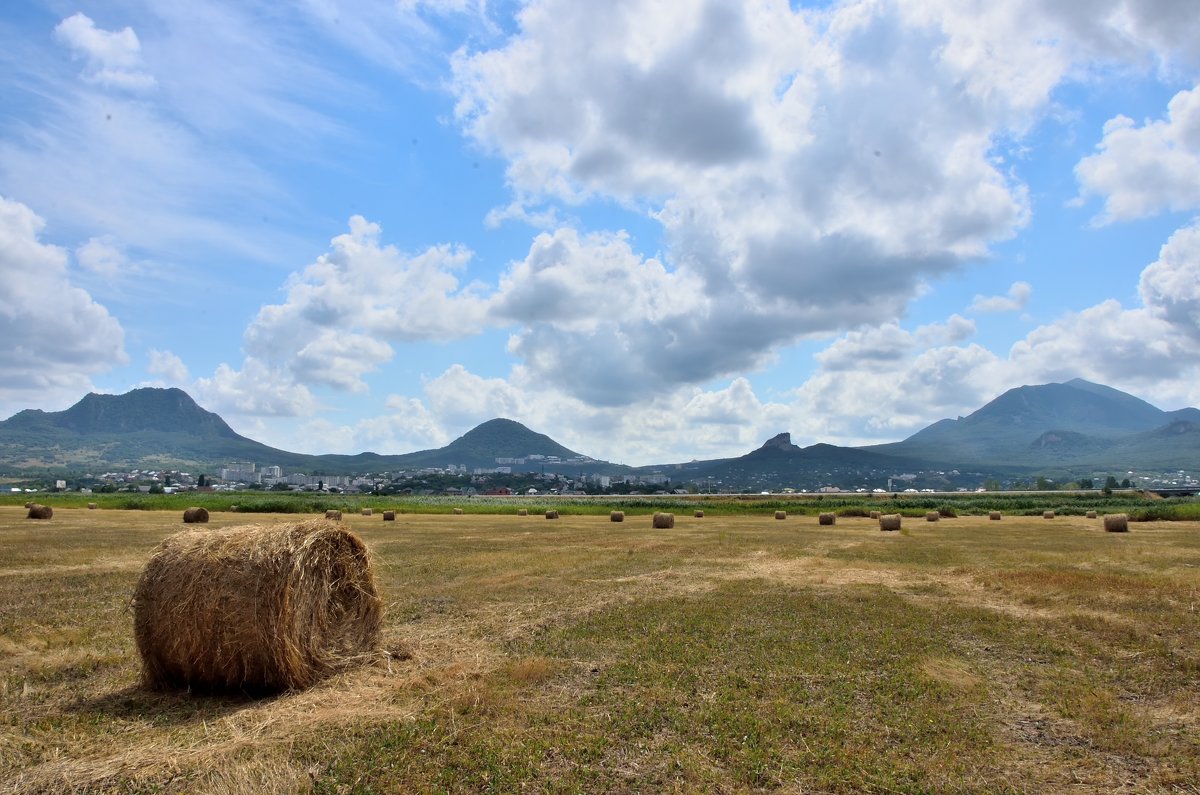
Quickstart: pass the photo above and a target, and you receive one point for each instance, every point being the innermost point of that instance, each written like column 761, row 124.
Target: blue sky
column 654, row 231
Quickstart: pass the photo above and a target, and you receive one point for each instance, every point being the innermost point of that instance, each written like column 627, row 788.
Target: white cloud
column 459, row 398
column 1016, row 299
column 102, row 255
column 113, row 57
column 681, row 424
column 54, row 335
column 884, row 383
column 1143, row 170
column 340, row 310
column 169, row 366
column 256, row 390
column 778, row 149
column 1170, row 287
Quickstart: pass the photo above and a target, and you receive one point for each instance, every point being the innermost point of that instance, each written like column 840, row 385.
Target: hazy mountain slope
column 1048, row 424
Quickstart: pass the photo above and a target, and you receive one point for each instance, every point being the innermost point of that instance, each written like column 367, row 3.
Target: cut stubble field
column 726, row 654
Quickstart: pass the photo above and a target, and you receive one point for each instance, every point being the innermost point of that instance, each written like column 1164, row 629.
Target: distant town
column 526, row 476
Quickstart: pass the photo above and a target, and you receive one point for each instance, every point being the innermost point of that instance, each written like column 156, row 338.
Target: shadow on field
column 169, row 708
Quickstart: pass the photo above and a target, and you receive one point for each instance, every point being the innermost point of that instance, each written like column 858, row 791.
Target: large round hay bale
column 994, row 516
column 195, row 516
column 875, row 514
column 92, row 506
column 367, row 511
column 458, row 512
column 781, row 514
column 827, row 518
column 698, row 514
column 616, row 516
column 522, row 512
column 1116, row 523
column 256, row 608
column 663, row 521
column 389, row 516
column 932, row 516
column 889, row 521
column 37, row 511
column 1047, row 514
column 334, row 515
column 1090, row 514
column 551, row 514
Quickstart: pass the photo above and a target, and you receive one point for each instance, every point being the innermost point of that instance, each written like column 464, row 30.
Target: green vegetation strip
column 1139, row 507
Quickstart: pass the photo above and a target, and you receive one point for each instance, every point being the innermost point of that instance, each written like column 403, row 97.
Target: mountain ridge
column 1072, row 425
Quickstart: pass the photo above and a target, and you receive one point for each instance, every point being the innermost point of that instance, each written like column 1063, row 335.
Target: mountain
column 499, row 438
column 779, row 462
column 153, row 428
column 1074, row 424
column 146, row 428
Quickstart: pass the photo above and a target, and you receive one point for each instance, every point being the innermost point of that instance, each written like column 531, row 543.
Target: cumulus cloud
column 882, row 383
column 786, row 152
column 923, row 375
column 1143, row 170
column 778, row 149
column 1016, row 299
column 54, row 334
column 256, row 390
column 340, row 311
column 113, row 58
column 168, row 366
column 1170, row 287
column 684, row 423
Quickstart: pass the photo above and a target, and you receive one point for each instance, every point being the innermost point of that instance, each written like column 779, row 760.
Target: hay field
column 580, row 655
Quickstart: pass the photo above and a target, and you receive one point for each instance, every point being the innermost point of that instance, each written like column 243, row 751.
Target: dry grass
column 728, row 655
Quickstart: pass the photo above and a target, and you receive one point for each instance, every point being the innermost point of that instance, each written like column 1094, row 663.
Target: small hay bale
column 994, row 516
column 389, row 516
column 233, row 509
column 37, row 511
column 522, row 512
column 663, row 521
column 932, row 516
column 1091, row 514
column 367, row 511
column 875, row 514
column 698, row 514
column 458, row 512
column 334, row 515
column 255, row 608
column 551, row 514
column 827, row 518
column 781, row 514
column 1047, row 514
column 616, row 516
column 1116, row 523
column 890, row 521
column 92, row 506
column 195, row 516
